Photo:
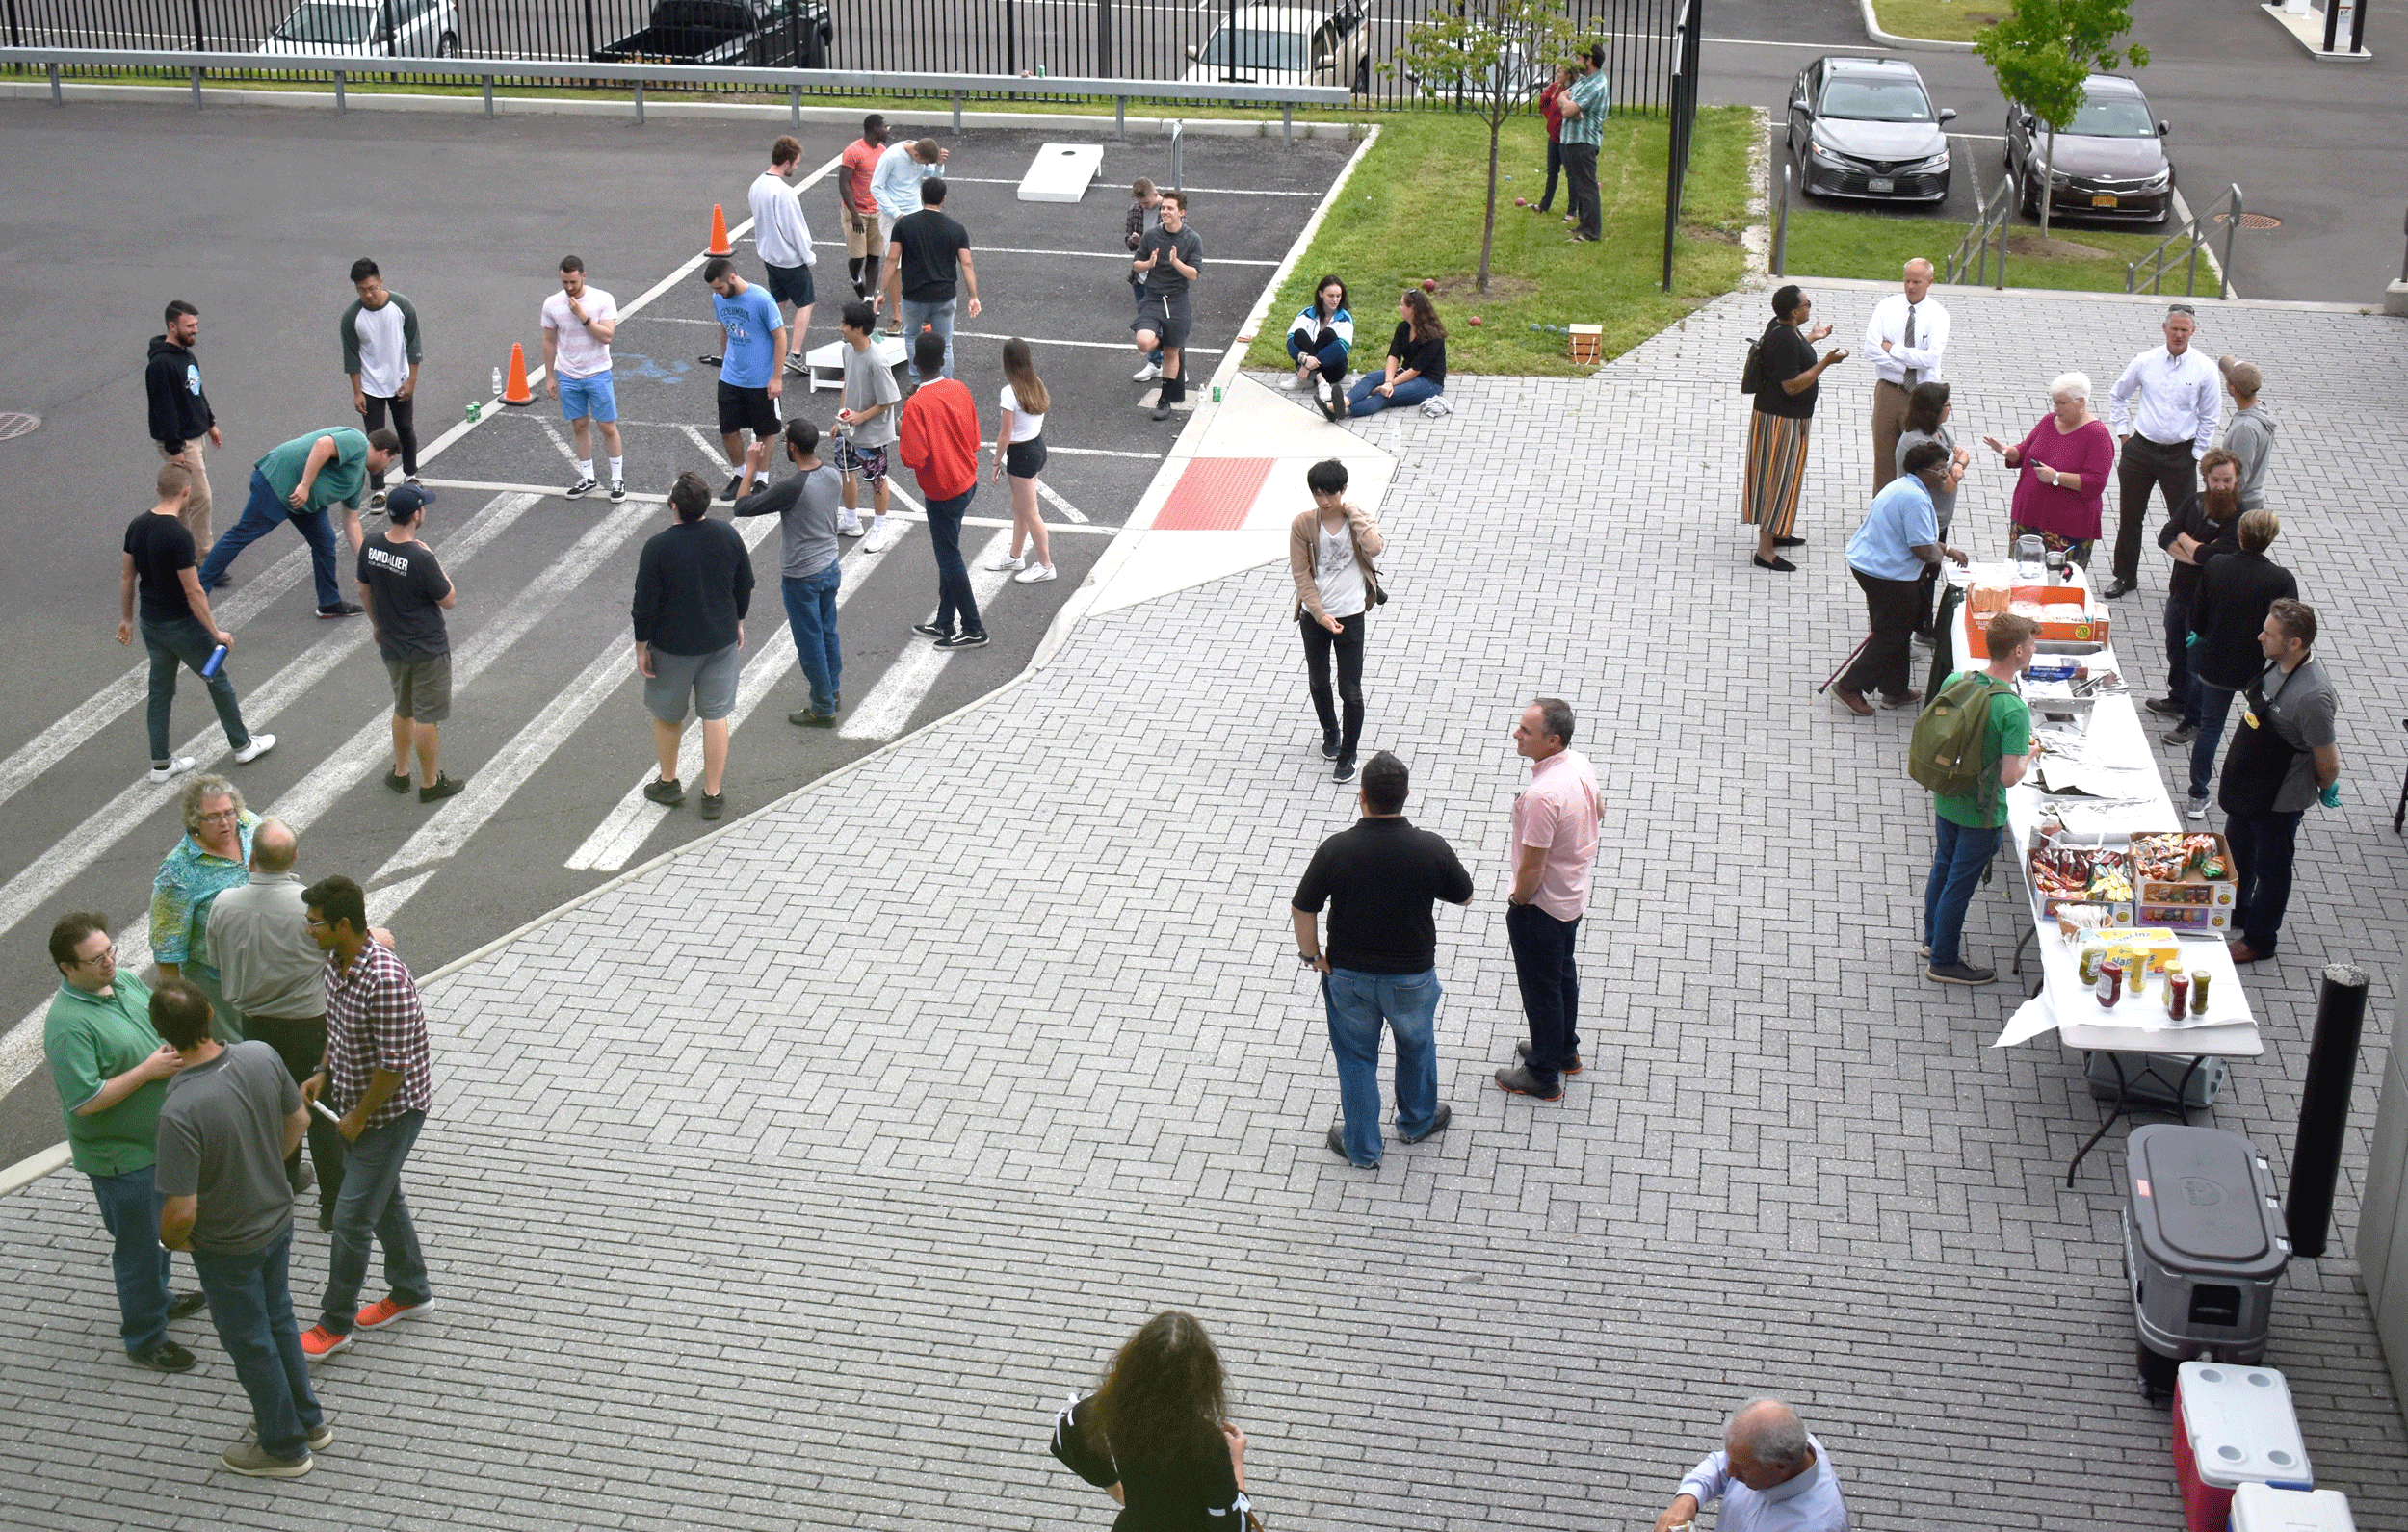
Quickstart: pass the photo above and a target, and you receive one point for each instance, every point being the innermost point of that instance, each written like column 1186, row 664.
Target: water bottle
column 2027, row 557
column 497, row 382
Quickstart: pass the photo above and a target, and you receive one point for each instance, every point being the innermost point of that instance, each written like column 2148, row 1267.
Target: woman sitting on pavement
column 2065, row 462
column 1320, row 341
column 1156, row 1434
column 1417, row 361
column 1928, row 412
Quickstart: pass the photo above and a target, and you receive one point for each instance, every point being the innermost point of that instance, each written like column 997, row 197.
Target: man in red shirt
column 940, row 444
column 863, row 240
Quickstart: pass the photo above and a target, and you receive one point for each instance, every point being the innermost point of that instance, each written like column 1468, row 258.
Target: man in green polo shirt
column 300, row 482
column 112, row 1073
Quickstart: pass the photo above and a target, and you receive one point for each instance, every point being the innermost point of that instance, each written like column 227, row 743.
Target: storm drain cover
column 2252, row 220
column 16, row 423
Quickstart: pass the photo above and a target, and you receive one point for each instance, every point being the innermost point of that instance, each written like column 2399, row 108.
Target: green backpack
column 1944, row 754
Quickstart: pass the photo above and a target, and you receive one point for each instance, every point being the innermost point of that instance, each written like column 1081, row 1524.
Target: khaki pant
column 195, row 517
column 1889, row 419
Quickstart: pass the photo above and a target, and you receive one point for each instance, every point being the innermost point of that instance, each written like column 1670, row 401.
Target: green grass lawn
column 1872, row 245
column 1943, row 20
column 1414, row 210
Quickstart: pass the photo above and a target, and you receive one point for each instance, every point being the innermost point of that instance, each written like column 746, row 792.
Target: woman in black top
column 1156, row 1434
column 1417, row 361
column 1776, row 436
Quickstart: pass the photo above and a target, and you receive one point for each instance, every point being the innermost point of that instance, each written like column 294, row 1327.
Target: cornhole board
column 828, row 362
column 1061, row 172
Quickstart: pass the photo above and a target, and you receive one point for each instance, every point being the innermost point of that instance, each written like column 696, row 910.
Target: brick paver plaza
column 795, row 1183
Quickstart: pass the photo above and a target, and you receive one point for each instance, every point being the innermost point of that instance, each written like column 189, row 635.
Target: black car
column 773, row 34
column 2109, row 162
column 1866, row 127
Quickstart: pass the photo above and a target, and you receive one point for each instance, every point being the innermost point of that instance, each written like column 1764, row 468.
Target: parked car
column 1286, row 45
column 1514, row 73
column 762, row 34
column 2109, row 163
column 1866, row 128
column 399, row 29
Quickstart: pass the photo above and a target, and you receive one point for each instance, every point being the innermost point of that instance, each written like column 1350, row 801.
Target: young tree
column 2040, row 53
column 1491, row 56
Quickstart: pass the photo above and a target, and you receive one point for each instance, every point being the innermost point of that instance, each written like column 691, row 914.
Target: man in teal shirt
column 300, row 482
column 1968, row 828
column 112, row 1073
column 1585, row 108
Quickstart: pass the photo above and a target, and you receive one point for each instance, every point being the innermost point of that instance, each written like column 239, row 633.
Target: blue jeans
column 2262, row 845
column 1357, row 1002
column 2179, row 683
column 1364, row 398
column 953, row 577
column 915, row 315
column 181, row 643
column 129, row 1209
column 250, row 1302
column 811, row 613
column 372, row 1200
column 1333, row 357
column 1551, row 986
column 1957, row 859
column 263, row 514
column 2216, row 706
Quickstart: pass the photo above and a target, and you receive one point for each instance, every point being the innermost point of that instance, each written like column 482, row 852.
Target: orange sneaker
column 318, row 1343
column 385, row 1310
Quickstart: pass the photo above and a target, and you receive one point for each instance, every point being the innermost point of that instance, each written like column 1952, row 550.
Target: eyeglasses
column 221, row 814
column 107, row 955
column 315, row 922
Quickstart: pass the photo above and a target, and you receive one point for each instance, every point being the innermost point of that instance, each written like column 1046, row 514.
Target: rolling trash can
column 2234, row 1427
column 2203, row 1244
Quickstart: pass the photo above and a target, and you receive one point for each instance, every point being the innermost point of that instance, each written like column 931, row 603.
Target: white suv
column 1286, row 45
column 399, row 29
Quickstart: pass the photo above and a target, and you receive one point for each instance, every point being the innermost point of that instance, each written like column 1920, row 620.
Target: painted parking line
column 886, row 712
column 1122, row 256
column 1194, row 191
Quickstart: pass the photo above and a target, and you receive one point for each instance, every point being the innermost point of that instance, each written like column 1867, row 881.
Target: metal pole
column 195, row 90
column 489, row 96
column 2316, row 1160
column 1120, row 134
column 1104, row 39
column 1179, row 154
column 201, row 36
column 16, row 39
column 1287, row 124
column 956, row 113
column 638, row 103
column 2224, row 276
column 1781, row 221
column 590, row 45
column 57, row 96
column 2358, row 27
column 2332, row 20
column 339, row 104
column 1011, row 39
column 794, row 106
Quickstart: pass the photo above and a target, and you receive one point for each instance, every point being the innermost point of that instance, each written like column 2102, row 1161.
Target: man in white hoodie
column 784, row 241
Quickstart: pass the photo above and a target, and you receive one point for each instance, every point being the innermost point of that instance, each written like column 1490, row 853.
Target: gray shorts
column 709, row 680
column 422, row 688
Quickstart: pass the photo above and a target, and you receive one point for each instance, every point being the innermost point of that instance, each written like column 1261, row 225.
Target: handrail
column 2229, row 204
column 1974, row 249
column 1781, row 224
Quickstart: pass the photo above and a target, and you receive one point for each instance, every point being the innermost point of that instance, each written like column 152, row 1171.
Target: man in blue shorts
column 752, row 337
column 577, row 324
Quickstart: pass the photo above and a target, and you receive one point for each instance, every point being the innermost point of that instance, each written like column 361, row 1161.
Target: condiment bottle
column 2199, row 993
column 2177, row 994
column 2110, row 985
column 2087, row 965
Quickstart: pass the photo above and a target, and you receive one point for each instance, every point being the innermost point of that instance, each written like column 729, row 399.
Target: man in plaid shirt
column 377, row 1076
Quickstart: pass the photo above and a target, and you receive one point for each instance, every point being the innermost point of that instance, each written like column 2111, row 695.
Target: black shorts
column 750, row 409
column 790, row 284
column 1166, row 317
column 1025, row 460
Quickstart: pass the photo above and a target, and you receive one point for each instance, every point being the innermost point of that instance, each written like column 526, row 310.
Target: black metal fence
column 1355, row 44
column 1688, row 36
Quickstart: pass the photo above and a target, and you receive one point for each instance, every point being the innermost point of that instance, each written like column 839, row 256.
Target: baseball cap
column 406, row 502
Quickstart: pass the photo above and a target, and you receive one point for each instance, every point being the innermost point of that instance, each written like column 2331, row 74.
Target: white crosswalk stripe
column 887, row 710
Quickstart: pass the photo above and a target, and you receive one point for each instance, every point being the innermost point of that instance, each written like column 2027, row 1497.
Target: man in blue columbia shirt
column 1770, row 1476
column 1887, row 556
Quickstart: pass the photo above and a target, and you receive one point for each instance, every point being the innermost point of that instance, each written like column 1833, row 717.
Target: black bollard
column 2316, row 1156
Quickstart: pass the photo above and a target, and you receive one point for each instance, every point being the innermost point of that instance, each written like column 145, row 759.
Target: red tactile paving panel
column 1214, row 494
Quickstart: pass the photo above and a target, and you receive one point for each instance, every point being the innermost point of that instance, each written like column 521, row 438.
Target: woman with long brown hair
column 1417, row 361
column 1020, row 451
column 1156, row 1434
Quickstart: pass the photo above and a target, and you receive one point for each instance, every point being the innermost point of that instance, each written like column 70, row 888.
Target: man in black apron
column 2283, row 759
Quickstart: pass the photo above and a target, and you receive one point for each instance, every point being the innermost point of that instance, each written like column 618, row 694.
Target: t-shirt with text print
column 408, row 586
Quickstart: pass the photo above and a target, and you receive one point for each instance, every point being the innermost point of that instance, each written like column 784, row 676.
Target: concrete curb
column 1891, row 40
column 934, row 116
column 33, row 1168
column 2156, row 301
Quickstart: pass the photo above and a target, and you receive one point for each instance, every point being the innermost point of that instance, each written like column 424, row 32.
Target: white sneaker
column 1292, row 382
column 260, row 744
column 1001, row 562
column 851, row 529
column 1146, row 373
column 1034, row 575
column 175, row 767
column 2197, row 807
column 880, row 537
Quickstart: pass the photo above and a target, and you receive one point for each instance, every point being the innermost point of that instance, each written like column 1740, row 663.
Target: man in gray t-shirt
column 865, row 424
column 2283, row 760
column 808, row 507
column 230, row 1116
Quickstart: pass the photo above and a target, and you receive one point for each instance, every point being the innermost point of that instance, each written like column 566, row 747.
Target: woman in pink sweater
column 2062, row 465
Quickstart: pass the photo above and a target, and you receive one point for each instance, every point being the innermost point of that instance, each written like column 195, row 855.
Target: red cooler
column 2233, row 1425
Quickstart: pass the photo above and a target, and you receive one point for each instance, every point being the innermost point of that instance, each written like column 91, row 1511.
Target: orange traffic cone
column 516, row 391
column 720, row 245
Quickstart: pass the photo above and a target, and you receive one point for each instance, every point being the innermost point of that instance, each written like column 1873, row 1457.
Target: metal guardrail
column 346, row 68
column 2229, row 205
column 1990, row 221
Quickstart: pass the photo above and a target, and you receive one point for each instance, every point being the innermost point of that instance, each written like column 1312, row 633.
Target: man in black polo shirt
column 1382, row 964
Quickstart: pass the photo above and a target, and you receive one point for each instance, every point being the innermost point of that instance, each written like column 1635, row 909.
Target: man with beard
column 2203, row 528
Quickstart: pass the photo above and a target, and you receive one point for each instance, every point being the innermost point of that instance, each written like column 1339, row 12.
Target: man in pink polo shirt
column 1555, row 843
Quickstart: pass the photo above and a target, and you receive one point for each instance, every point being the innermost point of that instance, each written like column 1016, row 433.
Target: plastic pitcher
column 2029, row 555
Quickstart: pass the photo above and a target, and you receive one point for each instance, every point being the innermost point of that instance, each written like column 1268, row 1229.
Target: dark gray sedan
column 1866, row 128
column 2109, row 162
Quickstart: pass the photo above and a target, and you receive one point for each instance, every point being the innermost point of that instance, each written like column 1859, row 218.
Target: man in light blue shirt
column 1585, row 108
column 752, row 336
column 895, row 184
column 1771, row 1476
column 1901, row 536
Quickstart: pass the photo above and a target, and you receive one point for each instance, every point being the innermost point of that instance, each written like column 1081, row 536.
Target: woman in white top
column 1020, row 451
column 1330, row 550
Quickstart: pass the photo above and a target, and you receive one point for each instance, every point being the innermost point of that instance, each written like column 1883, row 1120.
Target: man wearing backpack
column 1970, row 744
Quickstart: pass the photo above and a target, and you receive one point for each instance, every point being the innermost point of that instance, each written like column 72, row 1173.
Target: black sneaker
column 342, row 608
column 618, row 489
column 166, row 1357
column 444, row 787
column 2119, row 587
column 796, row 365
column 967, row 639
column 1346, row 770
column 1337, row 1142
column 2165, row 707
column 710, row 359
column 713, row 804
column 1522, row 1052
column 397, row 781
column 1329, row 745
column 735, row 482
column 1960, row 972
column 808, row 719
column 1437, row 1124
column 667, row 790
column 1523, row 1081
column 581, row 489
column 932, row 630
column 2181, row 734
column 184, row 1305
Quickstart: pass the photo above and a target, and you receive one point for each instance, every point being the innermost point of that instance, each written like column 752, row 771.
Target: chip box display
column 2184, row 881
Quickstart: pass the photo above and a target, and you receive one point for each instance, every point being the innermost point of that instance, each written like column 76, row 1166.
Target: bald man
column 1770, row 1476
column 265, row 956
column 1904, row 339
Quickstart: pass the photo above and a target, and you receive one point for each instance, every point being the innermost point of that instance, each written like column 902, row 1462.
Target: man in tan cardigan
column 1330, row 550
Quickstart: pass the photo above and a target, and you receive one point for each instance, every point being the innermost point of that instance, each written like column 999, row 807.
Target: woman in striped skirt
column 1777, row 435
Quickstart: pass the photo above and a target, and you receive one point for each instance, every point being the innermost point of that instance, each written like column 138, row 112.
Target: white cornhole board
column 1061, row 172
column 828, row 362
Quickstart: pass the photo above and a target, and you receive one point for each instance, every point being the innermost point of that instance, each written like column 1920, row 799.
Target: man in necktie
column 1908, row 331
column 2165, row 411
